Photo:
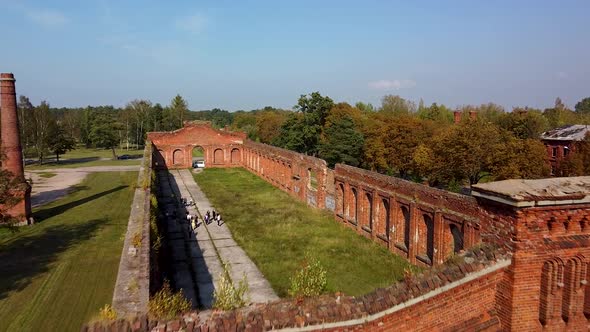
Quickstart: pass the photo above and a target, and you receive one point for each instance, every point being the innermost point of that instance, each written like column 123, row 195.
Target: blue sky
column 249, row 54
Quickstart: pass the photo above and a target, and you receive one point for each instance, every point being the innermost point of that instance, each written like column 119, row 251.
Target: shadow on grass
column 53, row 162
column 26, row 257
column 56, row 210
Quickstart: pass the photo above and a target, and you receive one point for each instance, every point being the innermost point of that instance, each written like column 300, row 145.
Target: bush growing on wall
column 227, row 295
column 309, row 280
column 168, row 304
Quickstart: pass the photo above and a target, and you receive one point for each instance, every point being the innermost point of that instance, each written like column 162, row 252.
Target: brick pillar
column 457, row 117
column 13, row 159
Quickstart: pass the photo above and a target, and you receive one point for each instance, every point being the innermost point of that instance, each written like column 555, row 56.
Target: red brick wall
column 174, row 149
column 423, row 224
column 302, row 176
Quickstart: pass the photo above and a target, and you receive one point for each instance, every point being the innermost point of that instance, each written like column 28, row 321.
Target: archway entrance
column 198, row 157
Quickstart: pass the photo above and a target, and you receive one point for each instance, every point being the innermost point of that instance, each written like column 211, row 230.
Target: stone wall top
column 281, row 153
column 542, row 192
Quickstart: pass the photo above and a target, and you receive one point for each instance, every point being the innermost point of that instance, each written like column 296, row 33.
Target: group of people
column 193, row 220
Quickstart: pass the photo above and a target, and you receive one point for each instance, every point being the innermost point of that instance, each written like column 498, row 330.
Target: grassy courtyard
column 56, row 274
column 277, row 231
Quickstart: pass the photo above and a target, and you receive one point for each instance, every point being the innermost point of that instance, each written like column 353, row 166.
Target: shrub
column 309, row 280
column 227, row 296
column 168, row 304
column 136, row 240
column 107, row 313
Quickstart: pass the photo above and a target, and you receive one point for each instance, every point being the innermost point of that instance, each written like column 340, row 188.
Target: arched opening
column 177, row 157
column 368, row 211
column 571, row 289
column 425, row 236
column 218, row 156
column 352, row 211
column 235, row 156
column 551, row 276
column 198, row 157
column 405, row 226
column 340, row 203
column 457, row 235
column 384, row 217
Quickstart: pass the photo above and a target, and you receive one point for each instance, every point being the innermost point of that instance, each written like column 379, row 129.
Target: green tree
column 577, row 163
column 524, row 123
column 25, row 116
column 583, row 106
column 301, row 132
column 40, row 124
column 342, row 143
column 179, row 108
column 269, row 123
column 60, row 141
column 103, row 133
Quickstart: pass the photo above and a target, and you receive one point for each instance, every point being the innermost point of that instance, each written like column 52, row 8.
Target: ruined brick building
column 560, row 142
column 525, row 243
column 11, row 148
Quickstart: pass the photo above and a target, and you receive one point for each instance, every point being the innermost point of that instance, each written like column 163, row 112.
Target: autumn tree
column 374, row 152
column 268, row 124
column 396, row 105
column 403, row 135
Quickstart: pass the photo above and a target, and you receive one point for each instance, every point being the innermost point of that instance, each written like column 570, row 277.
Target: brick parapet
column 474, row 275
column 131, row 293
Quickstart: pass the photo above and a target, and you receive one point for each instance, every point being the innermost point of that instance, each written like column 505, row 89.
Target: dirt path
column 46, row 190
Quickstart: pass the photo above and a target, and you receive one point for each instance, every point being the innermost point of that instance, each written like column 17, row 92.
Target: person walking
column 218, row 219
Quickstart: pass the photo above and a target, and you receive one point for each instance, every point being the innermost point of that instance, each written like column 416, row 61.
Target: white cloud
column 47, row 17
column 194, row 24
column 392, row 84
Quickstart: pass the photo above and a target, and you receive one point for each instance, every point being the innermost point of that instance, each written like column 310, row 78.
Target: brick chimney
column 10, row 138
column 457, row 116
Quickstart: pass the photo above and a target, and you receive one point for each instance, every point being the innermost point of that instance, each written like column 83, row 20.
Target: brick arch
column 177, row 157
column 235, row 156
column 550, row 295
column 353, row 205
column 425, row 238
column 573, row 292
column 382, row 218
column 401, row 228
column 340, row 200
column 457, row 243
column 218, row 157
column 368, row 210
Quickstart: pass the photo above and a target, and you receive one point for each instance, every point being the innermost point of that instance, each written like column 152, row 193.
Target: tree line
column 398, row 137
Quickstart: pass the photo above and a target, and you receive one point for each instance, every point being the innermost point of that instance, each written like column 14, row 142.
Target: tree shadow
column 28, row 256
column 56, row 210
column 53, row 162
column 46, row 197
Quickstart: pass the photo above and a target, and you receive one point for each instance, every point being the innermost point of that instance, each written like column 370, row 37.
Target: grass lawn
column 276, row 231
column 82, row 157
column 57, row 273
column 46, row 175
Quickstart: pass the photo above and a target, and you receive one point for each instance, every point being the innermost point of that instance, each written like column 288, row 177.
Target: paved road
column 213, row 245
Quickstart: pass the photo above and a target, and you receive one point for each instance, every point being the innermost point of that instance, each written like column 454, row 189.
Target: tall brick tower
column 11, row 147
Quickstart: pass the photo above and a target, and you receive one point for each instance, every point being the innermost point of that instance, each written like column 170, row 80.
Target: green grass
column 198, row 152
column 46, row 175
column 83, row 157
column 57, row 273
column 277, row 231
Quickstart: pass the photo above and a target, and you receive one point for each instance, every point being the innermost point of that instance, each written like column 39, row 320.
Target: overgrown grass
column 58, row 273
column 277, row 232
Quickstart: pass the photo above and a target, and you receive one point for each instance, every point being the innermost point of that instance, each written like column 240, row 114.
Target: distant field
column 56, row 274
column 276, row 231
column 83, row 157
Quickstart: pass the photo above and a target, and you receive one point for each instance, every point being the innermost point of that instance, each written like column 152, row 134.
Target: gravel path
column 46, row 190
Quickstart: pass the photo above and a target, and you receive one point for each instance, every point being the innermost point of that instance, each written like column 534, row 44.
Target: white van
column 199, row 164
